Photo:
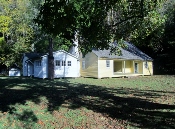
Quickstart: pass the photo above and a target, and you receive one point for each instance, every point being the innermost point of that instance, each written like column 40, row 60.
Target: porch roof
column 130, row 52
column 33, row 55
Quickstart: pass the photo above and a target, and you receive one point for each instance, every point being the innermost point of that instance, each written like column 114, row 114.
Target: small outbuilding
column 14, row 71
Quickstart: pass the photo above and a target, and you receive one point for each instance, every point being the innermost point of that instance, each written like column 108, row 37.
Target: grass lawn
column 86, row 103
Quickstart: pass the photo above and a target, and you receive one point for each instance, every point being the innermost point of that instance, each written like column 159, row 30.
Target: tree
column 158, row 28
column 97, row 22
column 17, row 28
column 157, row 39
column 4, row 24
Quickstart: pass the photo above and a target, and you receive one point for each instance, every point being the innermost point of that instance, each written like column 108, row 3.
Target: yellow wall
column 117, row 67
column 96, row 67
column 103, row 70
column 132, row 66
column 127, row 66
column 91, row 66
column 140, row 66
column 142, row 69
column 149, row 70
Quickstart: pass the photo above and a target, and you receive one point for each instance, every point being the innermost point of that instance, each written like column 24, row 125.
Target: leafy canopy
column 97, row 22
column 17, row 29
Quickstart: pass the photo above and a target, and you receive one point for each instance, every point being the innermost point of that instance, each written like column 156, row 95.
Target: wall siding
column 59, row 71
column 38, row 72
column 91, row 66
column 66, row 71
column 103, row 70
column 44, row 67
column 149, row 70
column 127, row 66
column 140, row 67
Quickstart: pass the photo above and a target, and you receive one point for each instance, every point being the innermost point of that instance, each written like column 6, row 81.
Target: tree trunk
column 50, row 61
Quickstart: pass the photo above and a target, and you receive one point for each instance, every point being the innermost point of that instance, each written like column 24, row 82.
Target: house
column 101, row 63
column 14, row 71
column 98, row 63
column 65, row 65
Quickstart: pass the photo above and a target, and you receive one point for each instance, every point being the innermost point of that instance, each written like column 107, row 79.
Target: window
column 146, row 64
column 57, row 62
column 107, row 63
column 63, row 63
column 69, row 63
column 83, row 64
column 38, row 63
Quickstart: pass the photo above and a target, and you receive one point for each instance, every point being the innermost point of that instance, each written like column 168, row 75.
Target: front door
column 136, row 67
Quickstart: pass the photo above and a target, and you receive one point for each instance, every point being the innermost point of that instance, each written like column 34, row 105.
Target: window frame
column 63, row 63
column 107, row 63
column 146, row 65
column 57, row 63
column 38, row 63
column 69, row 63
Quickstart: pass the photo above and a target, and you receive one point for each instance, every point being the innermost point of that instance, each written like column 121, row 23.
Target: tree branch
column 128, row 18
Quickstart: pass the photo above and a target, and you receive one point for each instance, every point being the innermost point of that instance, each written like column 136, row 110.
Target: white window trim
column 63, row 63
column 107, row 63
column 56, row 63
column 69, row 63
column 146, row 65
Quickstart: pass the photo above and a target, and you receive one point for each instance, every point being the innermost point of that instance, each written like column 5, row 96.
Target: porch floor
column 115, row 74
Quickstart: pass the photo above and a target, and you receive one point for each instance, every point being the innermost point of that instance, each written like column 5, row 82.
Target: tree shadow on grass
column 27, row 119
column 111, row 102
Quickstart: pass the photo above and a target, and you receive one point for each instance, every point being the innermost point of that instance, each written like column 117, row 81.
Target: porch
column 127, row 68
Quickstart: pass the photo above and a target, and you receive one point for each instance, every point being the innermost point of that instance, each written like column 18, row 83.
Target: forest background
column 26, row 26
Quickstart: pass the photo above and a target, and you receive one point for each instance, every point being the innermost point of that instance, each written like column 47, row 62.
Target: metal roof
column 38, row 55
column 131, row 52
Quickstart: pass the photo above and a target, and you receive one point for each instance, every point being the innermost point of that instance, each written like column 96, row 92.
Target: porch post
column 143, row 67
column 124, row 65
column 133, row 66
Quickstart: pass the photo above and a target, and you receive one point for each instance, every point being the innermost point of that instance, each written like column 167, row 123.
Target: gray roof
column 131, row 52
column 34, row 55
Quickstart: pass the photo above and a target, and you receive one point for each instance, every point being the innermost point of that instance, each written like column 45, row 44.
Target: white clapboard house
column 66, row 64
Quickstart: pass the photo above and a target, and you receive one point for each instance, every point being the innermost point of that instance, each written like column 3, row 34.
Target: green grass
column 87, row 103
